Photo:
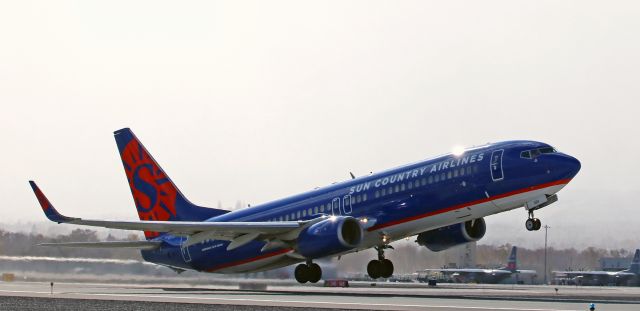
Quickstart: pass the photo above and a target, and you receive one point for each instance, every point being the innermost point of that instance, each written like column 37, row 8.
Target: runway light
column 458, row 150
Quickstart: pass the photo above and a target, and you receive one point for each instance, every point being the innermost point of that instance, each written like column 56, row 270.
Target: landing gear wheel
column 374, row 269
column 315, row 273
column 387, row 268
column 537, row 224
column 302, row 273
column 529, row 224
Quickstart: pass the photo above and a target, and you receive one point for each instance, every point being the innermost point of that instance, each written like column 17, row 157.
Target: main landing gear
column 309, row 272
column 532, row 223
column 381, row 268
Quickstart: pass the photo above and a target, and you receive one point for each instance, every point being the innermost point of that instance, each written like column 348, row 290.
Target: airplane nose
column 570, row 166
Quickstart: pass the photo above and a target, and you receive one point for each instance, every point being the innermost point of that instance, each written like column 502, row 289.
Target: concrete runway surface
column 84, row 296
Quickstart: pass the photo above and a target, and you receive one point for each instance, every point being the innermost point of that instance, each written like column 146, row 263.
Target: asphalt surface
column 55, row 304
column 81, row 296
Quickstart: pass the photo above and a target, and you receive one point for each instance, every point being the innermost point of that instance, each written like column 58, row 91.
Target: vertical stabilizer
column 635, row 263
column 512, row 264
column 155, row 195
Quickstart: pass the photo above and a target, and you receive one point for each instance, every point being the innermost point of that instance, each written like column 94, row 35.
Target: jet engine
column 328, row 237
column 449, row 236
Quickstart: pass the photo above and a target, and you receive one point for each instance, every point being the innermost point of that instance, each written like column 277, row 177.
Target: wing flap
column 191, row 227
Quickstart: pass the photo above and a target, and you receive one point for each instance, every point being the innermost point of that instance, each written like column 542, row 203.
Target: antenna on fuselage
column 352, row 176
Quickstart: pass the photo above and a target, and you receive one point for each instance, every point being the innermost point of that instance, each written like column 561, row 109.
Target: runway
column 36, row 295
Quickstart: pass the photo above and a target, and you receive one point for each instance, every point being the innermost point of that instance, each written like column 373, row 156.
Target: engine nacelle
column 449, row 236
column 328, row 237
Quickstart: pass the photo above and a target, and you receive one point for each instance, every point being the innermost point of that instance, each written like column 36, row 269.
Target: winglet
column 47, row 207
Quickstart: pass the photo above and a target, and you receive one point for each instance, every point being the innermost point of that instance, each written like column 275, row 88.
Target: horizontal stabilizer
column 109, row 244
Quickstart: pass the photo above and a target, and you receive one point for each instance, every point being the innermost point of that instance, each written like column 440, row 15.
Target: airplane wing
column 527, row 271
column 468, row 271
column 239, row 233
column 581, row 272
column 109, row 244
column 594, row 273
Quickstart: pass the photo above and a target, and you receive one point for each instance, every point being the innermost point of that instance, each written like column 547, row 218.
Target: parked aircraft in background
column 490, row 276
column 442, row 200
column 601, row 278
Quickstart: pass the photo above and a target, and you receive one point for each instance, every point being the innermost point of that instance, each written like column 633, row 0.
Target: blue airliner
column 490, row 276
column 630, row 276
column 441, row 200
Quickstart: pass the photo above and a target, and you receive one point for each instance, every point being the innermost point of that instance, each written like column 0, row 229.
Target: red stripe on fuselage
column 244, row 261
column 463, row 205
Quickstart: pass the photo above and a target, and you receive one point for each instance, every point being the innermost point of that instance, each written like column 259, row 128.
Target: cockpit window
column 534, row 153
column 547, row 150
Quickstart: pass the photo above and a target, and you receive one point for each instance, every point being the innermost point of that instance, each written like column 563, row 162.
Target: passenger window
column 358, row 198
column 430, row 179
column 402, row 187
column 410, row 185
column 417, row 183
column 298, row 215
column 397, row 189
column 384, row 191
column 449, row 175
column 309, row 211
column 322, row 208
column 455, row 173
column 443, row 176
column 286, row 217
column 423, row 181
column 462, row 171
column 364, row 197
column 377, row 194
column 437, row 179
column 475, row 169
column 315, row 210
column 304, row 212
column 468, row 170
column 390, row 191
column 353, row 200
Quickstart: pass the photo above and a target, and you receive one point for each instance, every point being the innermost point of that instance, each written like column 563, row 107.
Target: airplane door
column 346, row 204
column 335, row 207
column 185, row 252
column 496, row 165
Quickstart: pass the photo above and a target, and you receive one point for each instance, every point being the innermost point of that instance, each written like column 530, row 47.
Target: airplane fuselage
column 392, row 204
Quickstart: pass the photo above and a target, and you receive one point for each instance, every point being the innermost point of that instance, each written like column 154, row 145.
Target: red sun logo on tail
column 153, row 193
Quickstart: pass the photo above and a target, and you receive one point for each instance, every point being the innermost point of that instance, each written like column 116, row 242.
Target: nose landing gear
column 309, row 272
column 381, row 268
column 532, row 223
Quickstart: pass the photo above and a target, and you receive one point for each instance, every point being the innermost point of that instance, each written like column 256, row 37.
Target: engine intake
column 328, row 237
column 449, row 236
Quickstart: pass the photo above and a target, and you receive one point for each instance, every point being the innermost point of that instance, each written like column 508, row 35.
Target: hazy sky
column 254, row 101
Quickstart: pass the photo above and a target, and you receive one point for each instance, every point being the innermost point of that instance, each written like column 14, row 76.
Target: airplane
column 442, row 200
column 604, row 277
column 490, row 276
